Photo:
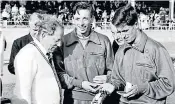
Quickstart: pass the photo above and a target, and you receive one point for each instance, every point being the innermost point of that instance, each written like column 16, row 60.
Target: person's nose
column 125, row 36
column 122, row 35
column 55, row 39
column 81, row 22
column 58, row 43
column 118, row 36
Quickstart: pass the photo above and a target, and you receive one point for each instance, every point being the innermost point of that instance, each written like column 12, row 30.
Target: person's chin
column 128, row 41
column 121, row 42
column 50, row 50
column 83, row 31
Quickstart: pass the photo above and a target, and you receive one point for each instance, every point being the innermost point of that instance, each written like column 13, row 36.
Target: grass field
column 167, row 38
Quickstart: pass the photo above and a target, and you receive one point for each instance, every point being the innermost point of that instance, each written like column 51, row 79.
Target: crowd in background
column 151, row 16
column 18, row 12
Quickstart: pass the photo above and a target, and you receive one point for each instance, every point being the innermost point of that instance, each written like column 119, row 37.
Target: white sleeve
column 1, row 53
column 25, row 69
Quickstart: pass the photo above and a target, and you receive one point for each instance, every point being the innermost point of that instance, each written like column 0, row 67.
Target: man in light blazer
column 22, row 41
column 36, row 78
column 2, row 48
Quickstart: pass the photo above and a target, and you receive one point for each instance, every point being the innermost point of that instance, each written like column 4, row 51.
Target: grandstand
column 154, row 15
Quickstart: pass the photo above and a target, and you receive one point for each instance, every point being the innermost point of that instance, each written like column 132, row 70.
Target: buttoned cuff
column 142, row 88
column 77, row 83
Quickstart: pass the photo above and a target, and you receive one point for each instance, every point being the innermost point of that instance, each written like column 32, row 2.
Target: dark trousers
column 112, row 99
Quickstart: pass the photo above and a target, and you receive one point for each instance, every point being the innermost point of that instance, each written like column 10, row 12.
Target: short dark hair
column 83, row 5
column 125, row 15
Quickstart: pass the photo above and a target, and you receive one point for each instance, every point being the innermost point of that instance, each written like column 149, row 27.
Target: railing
column 101, row 25
column 8, row 24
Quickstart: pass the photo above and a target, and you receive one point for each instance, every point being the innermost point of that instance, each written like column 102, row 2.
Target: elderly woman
column 142, row 66
column 2, row 48
column 36, row 78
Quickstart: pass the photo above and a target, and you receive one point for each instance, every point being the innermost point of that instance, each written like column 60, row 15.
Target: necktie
column 50, row 58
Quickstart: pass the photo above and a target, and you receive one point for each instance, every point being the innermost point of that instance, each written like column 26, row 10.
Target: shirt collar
column 94, row 38
column 73, row 38
column 31, row 36
column 140, row 41
column 40, row 46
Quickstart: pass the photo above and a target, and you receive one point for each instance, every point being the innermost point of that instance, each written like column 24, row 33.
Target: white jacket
column 1, row 53
column 35, row 79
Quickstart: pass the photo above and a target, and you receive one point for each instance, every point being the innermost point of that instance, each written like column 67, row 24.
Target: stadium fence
column 101, row 25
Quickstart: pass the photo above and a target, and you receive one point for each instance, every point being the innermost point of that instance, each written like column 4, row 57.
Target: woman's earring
column 43, row 35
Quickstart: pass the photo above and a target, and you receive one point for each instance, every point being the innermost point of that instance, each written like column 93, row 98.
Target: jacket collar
column 30, row 37
column 140, row 41
column 73, row 38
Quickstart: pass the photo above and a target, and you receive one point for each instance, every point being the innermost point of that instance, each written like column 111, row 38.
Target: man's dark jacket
column 115, row 47
column 17, row 45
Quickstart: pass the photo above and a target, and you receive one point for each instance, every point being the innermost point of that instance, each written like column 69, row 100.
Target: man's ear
column 136, row 25
column 73, row 19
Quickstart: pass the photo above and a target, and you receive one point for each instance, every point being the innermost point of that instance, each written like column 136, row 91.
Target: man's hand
column 88, row 86
column 131, row 92
column 106, row 88
column 100, row 79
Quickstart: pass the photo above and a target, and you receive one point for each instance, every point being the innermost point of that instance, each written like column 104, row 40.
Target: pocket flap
column 144, row 65
column 96, row 53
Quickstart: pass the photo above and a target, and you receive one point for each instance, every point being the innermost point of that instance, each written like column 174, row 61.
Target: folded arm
column 163, row 86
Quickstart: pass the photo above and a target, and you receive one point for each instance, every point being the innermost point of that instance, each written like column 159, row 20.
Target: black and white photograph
column 87, row 52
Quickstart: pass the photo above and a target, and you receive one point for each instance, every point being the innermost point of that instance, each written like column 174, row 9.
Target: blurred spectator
column 162, row 13
column 49, row 6
column 14, row 10
column 98, row 13
column 22, row 10
column 98, row 10
column 143, row 21
column 15, row 14
column 104, row 16
column 104, row 10
column 112, row 14
column 42, row 5
column 156, row 20
column 54, row 6
column 19, row 43
column 33, row 6
column 5, row 17
column 8, row 8
column 60, row 17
